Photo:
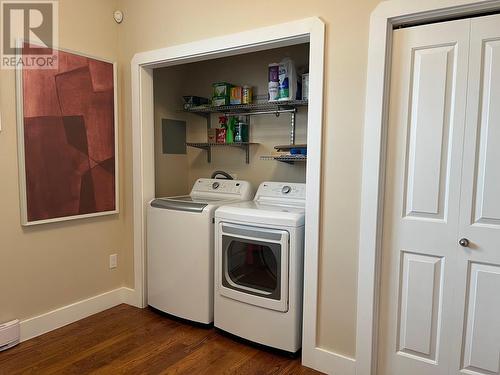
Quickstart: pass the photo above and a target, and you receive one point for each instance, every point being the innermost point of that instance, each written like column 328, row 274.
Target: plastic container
column 241, row 132
column 287, row 80
column 231, row 125
column 305, row 86
column 273, row 82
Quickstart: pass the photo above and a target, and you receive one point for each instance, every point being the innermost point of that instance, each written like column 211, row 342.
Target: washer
column 180, row 247
column 259, row 266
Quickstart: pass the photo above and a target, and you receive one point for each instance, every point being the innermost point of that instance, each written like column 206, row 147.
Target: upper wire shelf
column 264, row 107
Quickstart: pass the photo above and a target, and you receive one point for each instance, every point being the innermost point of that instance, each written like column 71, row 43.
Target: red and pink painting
column 69, row 140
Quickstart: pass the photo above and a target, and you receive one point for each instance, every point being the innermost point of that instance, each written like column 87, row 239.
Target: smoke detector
column 118, row 16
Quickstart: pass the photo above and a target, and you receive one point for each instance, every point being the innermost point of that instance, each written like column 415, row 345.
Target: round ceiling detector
column 118, row 16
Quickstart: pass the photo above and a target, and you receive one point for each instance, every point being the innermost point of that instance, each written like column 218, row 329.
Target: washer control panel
column 281, row 190
column 209, row 185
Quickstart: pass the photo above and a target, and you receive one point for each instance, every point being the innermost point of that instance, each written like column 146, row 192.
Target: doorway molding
column 383, row 19
column 310, row 30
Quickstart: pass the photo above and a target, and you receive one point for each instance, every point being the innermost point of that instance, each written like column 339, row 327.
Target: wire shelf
column 289, row 146
column 285, row 158
column 205, row 145
column 260, row 106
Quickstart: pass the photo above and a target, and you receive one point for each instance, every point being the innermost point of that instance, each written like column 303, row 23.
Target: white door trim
column 309, row 29
column 387, row 15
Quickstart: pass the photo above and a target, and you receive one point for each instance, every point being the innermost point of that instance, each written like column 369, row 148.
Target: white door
column 440, row 281
column 422, row 197
column 477, row 341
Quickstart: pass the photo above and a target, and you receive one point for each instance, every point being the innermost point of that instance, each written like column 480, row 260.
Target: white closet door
column 477, row 341
column 422, row 195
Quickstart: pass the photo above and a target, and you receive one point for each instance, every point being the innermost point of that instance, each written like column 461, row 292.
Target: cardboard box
column 212, row 135
column 236, row 95
column 221, row 93
column 221, row 135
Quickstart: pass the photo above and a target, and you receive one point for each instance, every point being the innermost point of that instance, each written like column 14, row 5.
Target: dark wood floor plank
column 127, row 340
column 158, row 354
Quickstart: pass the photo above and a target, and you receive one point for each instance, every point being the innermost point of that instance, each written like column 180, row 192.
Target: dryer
column 180, row 247
column 259, row 252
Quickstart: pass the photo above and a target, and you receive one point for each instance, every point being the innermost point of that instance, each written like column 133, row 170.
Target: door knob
column 464, row 242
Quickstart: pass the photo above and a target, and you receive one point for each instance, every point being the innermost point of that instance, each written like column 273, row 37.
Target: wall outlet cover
column 113, row 261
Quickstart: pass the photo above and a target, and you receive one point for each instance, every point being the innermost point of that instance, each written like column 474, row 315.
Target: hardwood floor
column 128, row 340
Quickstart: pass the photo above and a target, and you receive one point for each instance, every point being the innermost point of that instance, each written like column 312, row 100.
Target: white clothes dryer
column 259, row 252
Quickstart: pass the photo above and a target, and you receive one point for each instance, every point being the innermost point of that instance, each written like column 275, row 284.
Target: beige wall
column 48, row 266
column 158, row 23
column 171, row 171
column 170, row 84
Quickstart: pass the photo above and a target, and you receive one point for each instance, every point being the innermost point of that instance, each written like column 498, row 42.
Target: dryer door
column 254, row 265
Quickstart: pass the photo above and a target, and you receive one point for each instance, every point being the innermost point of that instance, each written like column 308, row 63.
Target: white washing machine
column 259, row 253
column 180, row 247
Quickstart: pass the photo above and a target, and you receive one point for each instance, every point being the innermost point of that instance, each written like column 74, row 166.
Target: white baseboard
column 129, row 296
column 329, row 362
column 38, row 325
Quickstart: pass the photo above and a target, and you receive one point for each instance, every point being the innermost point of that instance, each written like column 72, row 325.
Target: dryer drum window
column 252, row 266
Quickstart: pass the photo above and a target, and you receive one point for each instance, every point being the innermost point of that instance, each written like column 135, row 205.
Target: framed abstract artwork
column 67, row 139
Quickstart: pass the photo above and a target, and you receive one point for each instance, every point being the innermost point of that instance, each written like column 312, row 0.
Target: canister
column 247, row 94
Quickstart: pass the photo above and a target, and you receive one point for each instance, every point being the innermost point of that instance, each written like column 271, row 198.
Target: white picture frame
column 21, row 145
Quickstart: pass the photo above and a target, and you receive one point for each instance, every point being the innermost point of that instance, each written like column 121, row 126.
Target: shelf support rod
column 247, row 118
column 292, row 128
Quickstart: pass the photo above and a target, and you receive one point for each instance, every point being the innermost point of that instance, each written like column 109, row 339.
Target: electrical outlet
column 113, row 261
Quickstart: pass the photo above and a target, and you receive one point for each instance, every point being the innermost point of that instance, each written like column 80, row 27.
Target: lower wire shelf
column 286, row 158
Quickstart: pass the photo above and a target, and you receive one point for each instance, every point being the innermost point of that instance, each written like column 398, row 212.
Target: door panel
column 433, row 84
column 487, row 180
column 421, row 206
column 419, row 321
column 481, row 351
column 476, row 345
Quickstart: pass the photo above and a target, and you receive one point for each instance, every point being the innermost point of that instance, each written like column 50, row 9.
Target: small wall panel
column 487, row 202
column 481, row 351
column 429, row 131
column 420, row 299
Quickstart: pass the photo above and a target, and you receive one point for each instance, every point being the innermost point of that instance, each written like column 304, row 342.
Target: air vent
column 9, row 334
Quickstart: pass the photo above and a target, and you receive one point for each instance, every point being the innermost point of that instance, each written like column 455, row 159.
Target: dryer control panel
column 281, row 191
